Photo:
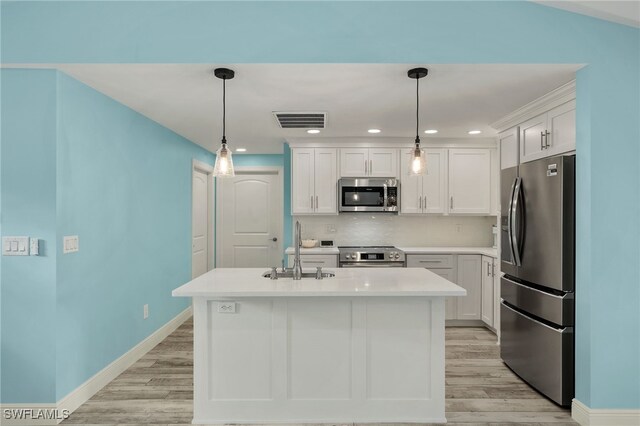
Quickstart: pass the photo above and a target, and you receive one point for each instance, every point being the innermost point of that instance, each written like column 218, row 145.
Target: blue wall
column 124, row 186
column 28, row 191
column 608, row 159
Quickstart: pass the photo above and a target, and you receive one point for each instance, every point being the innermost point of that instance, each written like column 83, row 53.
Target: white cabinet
column 470, row 278
column 440, row 264
column 311, row 261
column 488, row 298
column 450, row 307
column 368, row 162
column 509, row 146
column 548, row 134
column 314, row 181
column 470, row 181
column 424, row 193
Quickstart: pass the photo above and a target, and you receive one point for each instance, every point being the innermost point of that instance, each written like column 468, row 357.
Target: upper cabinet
column 424, row 194
column 548, row 134
column 508, row 141
column 470, row 181
column 314, row 180
column 368, row 162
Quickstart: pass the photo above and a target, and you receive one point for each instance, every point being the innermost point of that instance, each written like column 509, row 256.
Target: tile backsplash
column 389, row 229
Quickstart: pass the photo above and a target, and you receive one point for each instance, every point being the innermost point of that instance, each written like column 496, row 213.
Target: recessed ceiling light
column 374, row 130
column 475, row 132
column 313, row 131
column 431, row 131
column 241, row 149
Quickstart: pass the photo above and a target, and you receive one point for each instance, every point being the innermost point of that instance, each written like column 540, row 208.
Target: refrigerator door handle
column 515, row 223
column 510, row 224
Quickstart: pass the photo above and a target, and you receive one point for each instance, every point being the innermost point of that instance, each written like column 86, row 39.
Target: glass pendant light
column 224, row 162
column 418, row 164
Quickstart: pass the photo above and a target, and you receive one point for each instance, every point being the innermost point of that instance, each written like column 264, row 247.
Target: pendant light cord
column 224, row 108
column 417, row 113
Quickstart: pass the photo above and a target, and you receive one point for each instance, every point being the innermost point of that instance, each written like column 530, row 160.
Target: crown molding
column 556, row 97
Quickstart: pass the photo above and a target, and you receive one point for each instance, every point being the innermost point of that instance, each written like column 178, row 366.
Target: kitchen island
column 364, row 346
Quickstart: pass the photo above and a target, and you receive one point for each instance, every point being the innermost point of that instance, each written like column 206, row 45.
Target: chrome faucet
column 297, row 241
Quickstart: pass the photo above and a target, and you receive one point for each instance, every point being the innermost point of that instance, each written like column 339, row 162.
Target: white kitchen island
column 364, row 346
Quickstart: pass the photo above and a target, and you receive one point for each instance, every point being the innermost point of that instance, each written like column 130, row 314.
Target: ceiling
column 188, row 98
column 622, row 12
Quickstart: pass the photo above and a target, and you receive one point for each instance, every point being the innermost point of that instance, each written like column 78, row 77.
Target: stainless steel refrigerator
column 538, row 259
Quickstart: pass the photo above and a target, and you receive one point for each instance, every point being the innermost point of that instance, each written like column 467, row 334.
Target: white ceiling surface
column 188, row 98
column 622, row 12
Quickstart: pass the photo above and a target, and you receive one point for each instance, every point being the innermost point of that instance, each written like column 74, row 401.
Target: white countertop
column 314, row 250
column 248, row 282
column 487, row 251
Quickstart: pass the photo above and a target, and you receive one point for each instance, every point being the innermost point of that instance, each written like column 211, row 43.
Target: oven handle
column 372, row 265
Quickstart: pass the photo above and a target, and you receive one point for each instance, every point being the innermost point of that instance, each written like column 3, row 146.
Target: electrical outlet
column 227, row 307
column 145, row 311
column 330, row 228
column 458, row 228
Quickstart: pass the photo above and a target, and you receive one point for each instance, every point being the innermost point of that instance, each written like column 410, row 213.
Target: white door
column 562, row 128
column 434, row 181
column 325, row 173
column 302, row 185
column 469, row 181
column 532, row 143
column 249, row 225
column 383, row 162
column 411, row 199
column 354, row 162
column 202, row 194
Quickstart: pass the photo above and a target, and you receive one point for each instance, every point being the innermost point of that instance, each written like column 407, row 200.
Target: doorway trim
column 206, row 168
column 248, row 170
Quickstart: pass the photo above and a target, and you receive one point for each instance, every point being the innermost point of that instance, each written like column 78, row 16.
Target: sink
column 289, row 274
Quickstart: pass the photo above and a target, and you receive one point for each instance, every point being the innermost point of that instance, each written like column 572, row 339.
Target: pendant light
column 224, row 162
column 418, row 164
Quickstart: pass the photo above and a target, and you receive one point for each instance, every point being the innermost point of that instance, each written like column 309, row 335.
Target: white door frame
column 247, row 170
column 211, row 199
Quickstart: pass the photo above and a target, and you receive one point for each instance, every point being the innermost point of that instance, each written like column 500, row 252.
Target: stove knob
column 348, row 256
column 397, row 255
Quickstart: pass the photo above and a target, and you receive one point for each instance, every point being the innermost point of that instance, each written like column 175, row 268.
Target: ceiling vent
column 301, row 120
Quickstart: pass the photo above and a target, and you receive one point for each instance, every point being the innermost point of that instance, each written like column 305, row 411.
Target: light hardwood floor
column 480, row 390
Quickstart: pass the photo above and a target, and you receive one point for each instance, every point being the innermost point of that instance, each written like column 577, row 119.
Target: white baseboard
column 85, row 391
column 603, row 417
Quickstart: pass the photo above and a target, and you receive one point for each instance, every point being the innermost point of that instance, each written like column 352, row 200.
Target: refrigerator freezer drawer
column 539, row 354
column 554, row 308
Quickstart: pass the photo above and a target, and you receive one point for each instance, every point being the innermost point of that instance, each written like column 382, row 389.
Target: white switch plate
column 15, row 246
column 227, row 307
column 34, row 247
column 70, row 244
column 145, row 311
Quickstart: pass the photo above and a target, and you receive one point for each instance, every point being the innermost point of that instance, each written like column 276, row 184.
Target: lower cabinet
column 315, row 260
column 476, row 274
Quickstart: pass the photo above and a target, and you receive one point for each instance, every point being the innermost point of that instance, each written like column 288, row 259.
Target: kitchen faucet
column 297, row 268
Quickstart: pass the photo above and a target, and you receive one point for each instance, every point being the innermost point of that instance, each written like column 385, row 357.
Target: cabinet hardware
column 542, row 144
column 451, row 203
column 493, row 269
column 425, row 202
column 365, row 167
column 312, row 202
column 316, row 202
column 546, row 139
column 488, row 270
column 420, row 199
column 370, row 166
column 431, row 261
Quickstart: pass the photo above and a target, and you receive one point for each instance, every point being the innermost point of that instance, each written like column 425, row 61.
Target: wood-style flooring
column 480, row 390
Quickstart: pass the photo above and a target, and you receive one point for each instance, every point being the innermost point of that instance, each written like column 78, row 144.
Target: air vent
column 301, row 120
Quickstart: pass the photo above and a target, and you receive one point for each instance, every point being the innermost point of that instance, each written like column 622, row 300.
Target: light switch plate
column 15, row 246
column 34, row 247
column 70, row 244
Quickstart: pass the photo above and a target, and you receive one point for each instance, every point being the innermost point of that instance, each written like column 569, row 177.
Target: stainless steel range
column 377, row 256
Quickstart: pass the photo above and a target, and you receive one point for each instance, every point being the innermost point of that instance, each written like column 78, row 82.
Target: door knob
column 274, row 239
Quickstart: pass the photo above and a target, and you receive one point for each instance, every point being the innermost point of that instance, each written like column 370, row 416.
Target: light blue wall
column 608, row 159
column 28, row 191
column 124, row 186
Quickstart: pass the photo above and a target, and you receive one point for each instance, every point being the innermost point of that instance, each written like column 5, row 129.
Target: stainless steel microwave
column 369, row 195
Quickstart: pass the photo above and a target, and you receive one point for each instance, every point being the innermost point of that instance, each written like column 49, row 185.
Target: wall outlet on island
column 458, row 228
column 145, row 311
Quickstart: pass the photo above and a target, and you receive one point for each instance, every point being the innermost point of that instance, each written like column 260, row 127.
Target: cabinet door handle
column 316, row 202
column 546, row 139
column 312, row 202
column 365, row 167
column 451, row 203
column 425, row 202
column 370, row 166
column 542, row 144
column 420, row 199
column 493, row 269
column 488, row 270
